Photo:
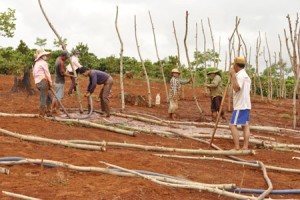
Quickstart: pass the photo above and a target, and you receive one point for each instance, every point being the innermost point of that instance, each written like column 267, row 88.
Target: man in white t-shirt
column 241, row 102
column 76, row 65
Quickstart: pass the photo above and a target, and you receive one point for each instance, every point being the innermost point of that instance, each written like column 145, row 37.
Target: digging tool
column 220, row 110
column 65, row 111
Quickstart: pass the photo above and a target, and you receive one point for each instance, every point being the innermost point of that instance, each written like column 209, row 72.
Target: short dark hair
column 64, row 53
column 241, row 65
column 81, row 70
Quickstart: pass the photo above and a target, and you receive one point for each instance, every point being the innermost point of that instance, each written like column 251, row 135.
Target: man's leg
column 246, row 131
column 105, row 95
column 235, row 135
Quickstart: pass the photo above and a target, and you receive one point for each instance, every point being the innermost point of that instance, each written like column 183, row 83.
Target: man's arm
column 235, row 84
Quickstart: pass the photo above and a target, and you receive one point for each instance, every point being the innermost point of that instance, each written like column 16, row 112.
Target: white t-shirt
column 241, row 99
column 75, row 63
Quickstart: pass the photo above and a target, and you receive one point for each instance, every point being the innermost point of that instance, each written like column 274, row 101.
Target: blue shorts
column 59, row 90
column 240, row 117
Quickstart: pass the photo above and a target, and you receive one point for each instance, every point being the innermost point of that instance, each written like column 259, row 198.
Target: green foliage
column 285, row 116
column 40, row 42
column 7, row 23
column 57, row 44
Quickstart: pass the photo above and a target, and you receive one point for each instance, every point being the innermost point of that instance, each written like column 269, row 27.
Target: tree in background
column 41, row 42
column 57, row 44
column 7, row 23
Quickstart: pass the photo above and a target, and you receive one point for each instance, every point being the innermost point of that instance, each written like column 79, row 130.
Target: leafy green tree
column 57, row 44
column 7, row 23
column 40, row 42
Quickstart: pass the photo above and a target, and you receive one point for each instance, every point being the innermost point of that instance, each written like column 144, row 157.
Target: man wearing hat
column 59, row 83
column 42, row 80
column 76, row 65
column 216, row 91
column 98, row 77
column 241, row 102
column 174, row 94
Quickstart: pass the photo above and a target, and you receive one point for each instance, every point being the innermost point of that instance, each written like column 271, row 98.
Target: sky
column 92, row 22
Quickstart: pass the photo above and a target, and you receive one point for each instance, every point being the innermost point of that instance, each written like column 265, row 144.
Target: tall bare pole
column 212, row 39
column 143, row 65
column 294, row 40
column 63, row 45
column 121, row 63
column 258, row 45
column 160, row 63
column 189, row 63
column 270, row 83
column 204, row 57
column 281, row 65
column 178, row 57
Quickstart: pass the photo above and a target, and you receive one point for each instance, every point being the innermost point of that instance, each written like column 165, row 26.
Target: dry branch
column 112, row 172
column 19, row 196
column 52, row 141
column 268, row 181
column 121, row 63
column 189, row 63
column 166, row 149
column 231, row 161
column 197, row 187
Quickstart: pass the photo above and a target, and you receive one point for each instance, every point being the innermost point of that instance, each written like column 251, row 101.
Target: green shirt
column 215, row 86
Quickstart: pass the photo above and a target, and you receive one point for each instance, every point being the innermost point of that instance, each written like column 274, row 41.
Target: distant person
column 174, row 94
column 98, row 77
column 42, row 80
column 59, row 83
column 216, row 91
column 241, row 102
column 76, row 65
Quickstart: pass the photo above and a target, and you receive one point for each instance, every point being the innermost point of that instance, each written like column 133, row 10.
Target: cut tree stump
column 131, row 99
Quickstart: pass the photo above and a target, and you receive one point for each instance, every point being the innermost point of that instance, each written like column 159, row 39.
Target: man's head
column 64, row 55
column 175, row 72
column 84, row 71
column 75, row 52
column 212, row 72
column 239, row 63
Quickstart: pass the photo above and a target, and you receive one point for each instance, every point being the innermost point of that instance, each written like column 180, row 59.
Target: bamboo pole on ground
column 189, row 63
column 268, row 181
column 244, row 162
column 51, row 141
column 160, row 177
column 143, row 65
column 64, row 48
column 160, row 63
column 121, row 63
column 197, row 187
column 19, row 196
column 166, row 149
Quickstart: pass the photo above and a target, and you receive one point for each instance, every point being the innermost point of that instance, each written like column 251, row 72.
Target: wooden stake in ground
column 189, row 63
column 160, row 63
column 64, row 48
column 121, row 63
column 19, row 196
column 143, row 65
column 220, row 111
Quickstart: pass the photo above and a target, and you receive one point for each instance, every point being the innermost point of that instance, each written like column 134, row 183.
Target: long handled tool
column 220, row 110
column 65, row 111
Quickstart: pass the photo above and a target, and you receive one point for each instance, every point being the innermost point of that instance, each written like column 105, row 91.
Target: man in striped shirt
column 174, row 95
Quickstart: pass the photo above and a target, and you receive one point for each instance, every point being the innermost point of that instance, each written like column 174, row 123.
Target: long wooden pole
column 220, row 110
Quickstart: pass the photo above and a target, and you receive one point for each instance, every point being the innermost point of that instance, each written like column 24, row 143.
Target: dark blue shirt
column 97, row 78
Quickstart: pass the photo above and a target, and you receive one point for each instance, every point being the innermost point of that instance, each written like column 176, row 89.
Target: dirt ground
column 57, row 183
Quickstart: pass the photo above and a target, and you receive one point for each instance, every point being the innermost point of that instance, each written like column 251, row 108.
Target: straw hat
column 240, row 60
column 175, row 70
column 212, row 70
column 39, row 53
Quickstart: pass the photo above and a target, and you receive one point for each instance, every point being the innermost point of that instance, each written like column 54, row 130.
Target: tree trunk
column 121, row 63
column 143, row 65
column 160, row 63
column 24, row 84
